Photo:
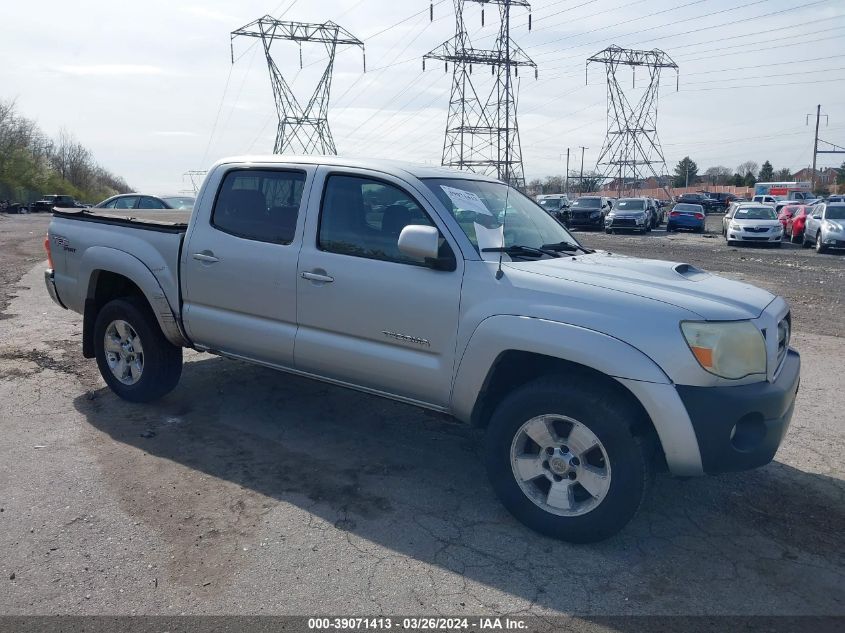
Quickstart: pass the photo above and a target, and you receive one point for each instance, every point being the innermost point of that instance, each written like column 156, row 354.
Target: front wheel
column 135, row 359
column 563, row 460
column 820, row 247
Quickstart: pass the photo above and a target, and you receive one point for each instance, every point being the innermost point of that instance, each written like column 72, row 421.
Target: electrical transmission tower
column 302, row 130
column 631, row 149
column 481, row 130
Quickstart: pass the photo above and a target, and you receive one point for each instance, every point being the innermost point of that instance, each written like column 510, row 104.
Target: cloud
column 109, row 69
column 211, row 14
column 174, row 133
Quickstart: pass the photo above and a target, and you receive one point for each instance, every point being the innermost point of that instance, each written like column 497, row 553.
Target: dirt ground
column 248, row 491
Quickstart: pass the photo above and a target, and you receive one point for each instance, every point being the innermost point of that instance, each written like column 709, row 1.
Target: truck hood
column 681, row 285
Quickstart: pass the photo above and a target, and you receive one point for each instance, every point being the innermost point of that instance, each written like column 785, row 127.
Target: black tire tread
column 510, row 414
column 162, row 359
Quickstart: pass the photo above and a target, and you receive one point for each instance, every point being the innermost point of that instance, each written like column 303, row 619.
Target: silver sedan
column 754, row 223
column 825, row 227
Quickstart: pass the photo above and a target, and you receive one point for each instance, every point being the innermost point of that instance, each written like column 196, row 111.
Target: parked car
column 555, row 205
column 630, row 214
column 765, row 199
column 785, row 210
column 836, row 199
column 686, row 216
column 708, row 204
column 589, row 211
column 13, row 207
column 723, row 199
column 143, row 201
column 47, row 203
column 754, row 223
column 657, row 211
column 453, row 292
column 795, row 224
column 825, row 227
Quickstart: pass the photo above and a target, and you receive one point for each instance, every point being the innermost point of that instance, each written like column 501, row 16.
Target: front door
column 239, row 265
column 368, row 315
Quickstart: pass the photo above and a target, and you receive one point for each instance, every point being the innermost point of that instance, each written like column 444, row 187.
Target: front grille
column 784, row 335
column 756, row 229
column 623, row 222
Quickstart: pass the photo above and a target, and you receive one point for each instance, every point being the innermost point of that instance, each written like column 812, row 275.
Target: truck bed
column 171, row 220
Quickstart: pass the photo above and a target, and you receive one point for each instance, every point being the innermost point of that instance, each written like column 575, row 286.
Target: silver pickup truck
column 453, row 292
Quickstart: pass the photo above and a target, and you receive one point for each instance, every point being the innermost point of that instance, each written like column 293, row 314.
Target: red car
column 793, row 226
column 787, row 212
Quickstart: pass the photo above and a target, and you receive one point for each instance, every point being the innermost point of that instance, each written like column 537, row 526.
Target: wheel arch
column 505, row 352
column 113, row 274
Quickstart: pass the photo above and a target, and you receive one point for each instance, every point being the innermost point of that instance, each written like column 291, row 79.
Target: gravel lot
column 250, row 491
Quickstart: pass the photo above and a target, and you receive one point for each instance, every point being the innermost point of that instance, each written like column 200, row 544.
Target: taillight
column 674, row 214
column 49, row 254
column 699, row 216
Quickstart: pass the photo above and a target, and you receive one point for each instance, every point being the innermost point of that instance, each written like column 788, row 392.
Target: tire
column 669, row 228
column 804, row 242
column 160, row 364
column 594, row 412
column 820, row 247
column 608, row 231
column 793, row 239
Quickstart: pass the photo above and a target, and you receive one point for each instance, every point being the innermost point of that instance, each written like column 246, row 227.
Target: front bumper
column 739, row 428
column 742, row 236
column 585, row 219
column 833, row 239
column 624, row 223
column 50, row 282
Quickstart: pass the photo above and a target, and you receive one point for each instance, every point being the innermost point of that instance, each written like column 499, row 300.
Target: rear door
column 239, row 262
column 368, row 315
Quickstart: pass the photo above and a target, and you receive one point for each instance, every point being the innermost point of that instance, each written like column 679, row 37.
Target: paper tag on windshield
column 466, row 200
column 489, row 238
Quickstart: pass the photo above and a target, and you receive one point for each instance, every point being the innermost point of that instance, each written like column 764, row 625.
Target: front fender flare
column 611, row 356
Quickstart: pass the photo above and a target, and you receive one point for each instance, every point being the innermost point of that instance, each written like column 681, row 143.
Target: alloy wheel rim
column 560, row 465
column 124, row 352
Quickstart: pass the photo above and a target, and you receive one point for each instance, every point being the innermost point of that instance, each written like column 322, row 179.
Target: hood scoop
column 690, row 272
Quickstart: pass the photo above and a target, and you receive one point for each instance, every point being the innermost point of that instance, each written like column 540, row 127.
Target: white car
column 754, row 223
column 768, row 200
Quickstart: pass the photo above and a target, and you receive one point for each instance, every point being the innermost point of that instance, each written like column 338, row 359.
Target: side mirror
column 419, row 242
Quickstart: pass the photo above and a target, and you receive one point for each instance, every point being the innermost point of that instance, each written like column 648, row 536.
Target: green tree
column 840, row 177
column 686, row 172
column 738, row 180
column 749, row 180
column 783, row 175
column 767, row 172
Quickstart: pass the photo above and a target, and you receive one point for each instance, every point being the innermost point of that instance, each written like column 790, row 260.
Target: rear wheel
column 561, row 456
column 135, row 359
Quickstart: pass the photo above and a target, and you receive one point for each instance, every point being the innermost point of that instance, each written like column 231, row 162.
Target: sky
column 151, row 89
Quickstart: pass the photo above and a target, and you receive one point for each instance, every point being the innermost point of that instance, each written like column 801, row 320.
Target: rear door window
column 261, row 205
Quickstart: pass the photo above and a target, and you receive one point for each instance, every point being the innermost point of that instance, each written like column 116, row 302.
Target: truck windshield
column 479, row 208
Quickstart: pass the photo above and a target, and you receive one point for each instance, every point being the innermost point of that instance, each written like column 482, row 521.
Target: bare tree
column 748, row 167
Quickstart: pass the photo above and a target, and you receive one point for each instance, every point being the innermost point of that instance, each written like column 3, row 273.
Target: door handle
column 317, row 277
column 205, row 257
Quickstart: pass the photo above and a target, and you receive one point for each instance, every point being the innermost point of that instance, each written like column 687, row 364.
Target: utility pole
column 581, row 177
column 566, row 186
column 686, row 182
column 815, row 142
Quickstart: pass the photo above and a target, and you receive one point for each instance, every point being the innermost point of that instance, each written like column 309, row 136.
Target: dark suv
column 589, row 211
column 708, row 204
column 54, row 200
column 723, row 198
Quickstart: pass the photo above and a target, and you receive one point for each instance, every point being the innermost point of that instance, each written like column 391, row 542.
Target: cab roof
column 394, row 167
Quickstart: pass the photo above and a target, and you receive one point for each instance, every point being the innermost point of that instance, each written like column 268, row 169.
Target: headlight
column 833, row 226
column 735, row 227
column 730, row 349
